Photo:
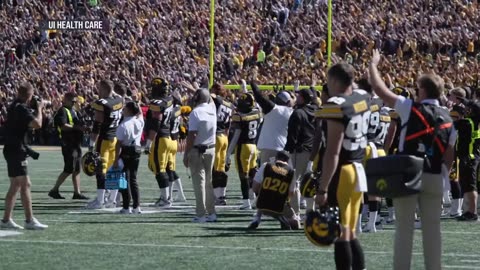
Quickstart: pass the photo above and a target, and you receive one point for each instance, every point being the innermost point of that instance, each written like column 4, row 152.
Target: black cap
column 306, row 94
column 282, row 156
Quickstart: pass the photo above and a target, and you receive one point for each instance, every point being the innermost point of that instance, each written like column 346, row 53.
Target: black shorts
column 72, row 156
column 468, row 174
column 16, row 161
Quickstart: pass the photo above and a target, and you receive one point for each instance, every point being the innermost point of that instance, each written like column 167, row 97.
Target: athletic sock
column 170, row 190
column 223, row 191
column 218, row 192
column 358, row 228
column 178, row 184
column 310, row 203
column 391, row 213
column 164, row 193
column 456, row 207
column 358, row 258
column 112, row 197
column 343, row 255
column 372, row 216
column 101, row 195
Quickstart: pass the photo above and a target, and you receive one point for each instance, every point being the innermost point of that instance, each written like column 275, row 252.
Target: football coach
column 200, row 153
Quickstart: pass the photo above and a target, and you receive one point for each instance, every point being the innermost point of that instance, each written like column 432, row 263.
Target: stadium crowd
column 156, row 54
column 283, row 40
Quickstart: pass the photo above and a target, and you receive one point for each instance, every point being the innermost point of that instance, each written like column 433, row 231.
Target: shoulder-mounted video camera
column 36, row 100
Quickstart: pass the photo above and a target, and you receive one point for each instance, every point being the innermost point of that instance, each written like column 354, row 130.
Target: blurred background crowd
column 281, row 41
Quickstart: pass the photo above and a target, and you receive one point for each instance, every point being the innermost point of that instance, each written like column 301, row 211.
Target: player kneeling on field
column 273, row 185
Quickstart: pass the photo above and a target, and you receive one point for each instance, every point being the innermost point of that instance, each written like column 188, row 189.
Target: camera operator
column 20, row 118
column 70, row 131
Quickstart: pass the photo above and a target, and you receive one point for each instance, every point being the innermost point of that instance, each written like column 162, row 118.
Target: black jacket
column 301, row 129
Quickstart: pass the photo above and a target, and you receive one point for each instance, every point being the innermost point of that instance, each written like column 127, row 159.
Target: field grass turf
column 96, row 239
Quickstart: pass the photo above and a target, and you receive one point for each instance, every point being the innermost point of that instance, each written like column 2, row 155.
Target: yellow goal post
column 271, row 87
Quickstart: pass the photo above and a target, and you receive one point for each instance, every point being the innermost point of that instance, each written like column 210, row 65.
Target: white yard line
column 51, row 242
column 460, row 267
column 4, row 233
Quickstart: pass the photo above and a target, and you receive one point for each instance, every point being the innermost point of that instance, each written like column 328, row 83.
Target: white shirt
column 129, row 132
column 203, row 120
column 273, row 135
column 258, row 178
column 403, row 107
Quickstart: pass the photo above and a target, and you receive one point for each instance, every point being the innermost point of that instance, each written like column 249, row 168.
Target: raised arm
column 378, row 84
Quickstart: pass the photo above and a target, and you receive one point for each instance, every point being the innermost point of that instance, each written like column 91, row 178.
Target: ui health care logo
column 102, row 25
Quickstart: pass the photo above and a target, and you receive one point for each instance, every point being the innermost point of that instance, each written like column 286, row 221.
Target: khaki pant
column 299, row 162
column 429, row 201
column 266, row 154
column 201, row 166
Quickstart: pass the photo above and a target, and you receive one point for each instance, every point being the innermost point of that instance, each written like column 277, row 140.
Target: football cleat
column 246, row 205
column 309, row 184
column 322, row 228
column 211, row 218
column 91, row 163
column 220, row 201
column 95, row 204
column 162, row 203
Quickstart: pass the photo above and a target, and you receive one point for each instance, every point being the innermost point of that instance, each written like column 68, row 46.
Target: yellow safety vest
column 70, row 122
column 475, row 136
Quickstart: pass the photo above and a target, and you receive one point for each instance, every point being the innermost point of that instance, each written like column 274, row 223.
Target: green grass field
column 86, row 239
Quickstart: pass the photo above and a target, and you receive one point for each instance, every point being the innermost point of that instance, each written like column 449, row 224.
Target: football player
column 245, row 123
column 319, row 145
column 176, row 119
column 347, row 114
column 224, row 115
column 158, row 143
column 457, row 113
column 108, row 113
column 377, row 131
column 274, row 185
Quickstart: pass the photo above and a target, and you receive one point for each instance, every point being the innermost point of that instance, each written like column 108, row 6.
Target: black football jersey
column 248, row 124
column 163, row 106
column 175, row 122
column 275, row 186
column 224, row 113
column 354, row 113
column 112, row 111
column 375, row 105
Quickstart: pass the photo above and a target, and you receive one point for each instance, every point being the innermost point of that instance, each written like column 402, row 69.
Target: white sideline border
column 30, row 241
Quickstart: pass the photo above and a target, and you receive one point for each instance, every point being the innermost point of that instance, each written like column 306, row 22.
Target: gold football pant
column 246, row 162
column 219, row 177
column 172, row 155
column 159, row 154
column 106, row 148
column 221, row 147
column 342, row 193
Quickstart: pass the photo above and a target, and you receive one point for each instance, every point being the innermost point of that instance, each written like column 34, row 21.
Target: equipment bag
column 394, row 176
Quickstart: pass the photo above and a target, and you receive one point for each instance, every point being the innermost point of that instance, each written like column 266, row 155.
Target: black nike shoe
column 79, row 196
column 467, row 216
column 55, row 195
